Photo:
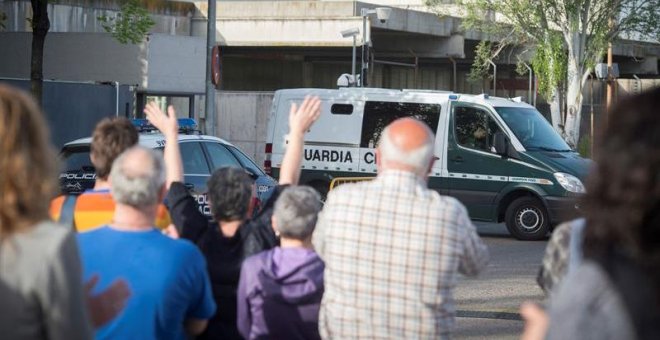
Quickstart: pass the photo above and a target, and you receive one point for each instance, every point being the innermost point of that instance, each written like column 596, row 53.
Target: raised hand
column 105, row 306
column 303, row 116
column 167, row 124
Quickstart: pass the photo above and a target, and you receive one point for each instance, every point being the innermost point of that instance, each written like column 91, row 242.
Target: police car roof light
column 453, row 96
column 185, row 125
column 142, row 125
column 483, row 96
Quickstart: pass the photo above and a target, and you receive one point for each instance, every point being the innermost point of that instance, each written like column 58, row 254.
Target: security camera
column 383, row 14
column 350, row 32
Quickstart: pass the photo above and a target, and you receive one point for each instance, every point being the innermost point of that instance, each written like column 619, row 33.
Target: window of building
column 474, row 128
column 377, row 115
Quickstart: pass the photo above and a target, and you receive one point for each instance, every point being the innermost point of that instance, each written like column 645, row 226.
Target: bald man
column 170, row 288
column 393, row 248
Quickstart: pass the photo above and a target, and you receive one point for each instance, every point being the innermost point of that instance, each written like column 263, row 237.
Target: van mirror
column 501, row 143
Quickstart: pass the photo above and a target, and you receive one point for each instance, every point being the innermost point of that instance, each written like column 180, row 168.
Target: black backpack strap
column 67, row 211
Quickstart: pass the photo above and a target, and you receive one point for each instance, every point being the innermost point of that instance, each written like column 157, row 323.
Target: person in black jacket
column 232, row 236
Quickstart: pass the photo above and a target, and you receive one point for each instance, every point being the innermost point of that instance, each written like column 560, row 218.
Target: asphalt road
column 487, row 306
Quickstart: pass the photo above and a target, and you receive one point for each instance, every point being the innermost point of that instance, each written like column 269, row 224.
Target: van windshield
column 532, row 129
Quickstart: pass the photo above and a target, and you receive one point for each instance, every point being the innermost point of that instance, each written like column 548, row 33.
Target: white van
column 498, row 156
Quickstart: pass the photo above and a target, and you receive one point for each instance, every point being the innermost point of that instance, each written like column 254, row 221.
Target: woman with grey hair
column 280, row 290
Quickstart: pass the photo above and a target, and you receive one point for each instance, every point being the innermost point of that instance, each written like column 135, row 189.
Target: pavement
column 488, row 305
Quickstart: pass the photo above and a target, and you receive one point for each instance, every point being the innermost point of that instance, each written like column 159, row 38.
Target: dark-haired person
column 233, row 236
column 615, row 292
column 95, row 207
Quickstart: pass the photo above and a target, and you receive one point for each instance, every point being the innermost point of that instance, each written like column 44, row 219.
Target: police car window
column 77, row 159
column 221, row 157
column 377, row 115
column 194, row 161
column 474, row 128
column 246, row 161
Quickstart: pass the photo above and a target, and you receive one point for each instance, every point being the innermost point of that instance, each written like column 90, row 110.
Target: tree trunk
column 555, row 111
column 40, row 27
column 573, row 102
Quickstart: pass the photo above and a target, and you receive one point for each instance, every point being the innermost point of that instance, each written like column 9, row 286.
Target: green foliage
column 130, row 25
column 584, row 146
column 550, row 63
column 480, row 67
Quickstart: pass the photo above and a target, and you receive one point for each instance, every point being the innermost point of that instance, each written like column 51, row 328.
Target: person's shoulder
column 258, row 258
column 180, row 247
column 49, row 237
column 348, row 189
column 446, row 201
column 91, row 235
column 50, row 231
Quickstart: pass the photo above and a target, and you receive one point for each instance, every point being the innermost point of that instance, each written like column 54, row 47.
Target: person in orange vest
column 95, row 207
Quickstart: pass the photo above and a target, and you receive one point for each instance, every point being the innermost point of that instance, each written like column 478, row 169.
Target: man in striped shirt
column 393, row 248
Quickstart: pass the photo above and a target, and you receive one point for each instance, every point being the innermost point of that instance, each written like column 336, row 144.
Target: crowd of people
column 134, row 258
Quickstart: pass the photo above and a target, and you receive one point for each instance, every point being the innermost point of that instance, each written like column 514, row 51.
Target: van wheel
column 321, row 187
column 526, row 219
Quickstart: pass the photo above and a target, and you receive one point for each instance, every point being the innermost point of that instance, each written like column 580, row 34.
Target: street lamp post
column 210, row 114
column 352, row 32
column 383, row 14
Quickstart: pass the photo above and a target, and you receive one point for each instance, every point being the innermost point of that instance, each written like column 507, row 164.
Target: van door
column 476, row 174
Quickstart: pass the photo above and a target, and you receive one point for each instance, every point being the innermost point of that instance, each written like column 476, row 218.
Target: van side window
column 377, row 115
column 341, row 109
column 474, row 128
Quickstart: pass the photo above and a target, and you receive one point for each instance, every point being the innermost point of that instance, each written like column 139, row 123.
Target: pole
column 529, row 96
column 591, row 95
column 210, row 88
column 353, row 62
column 610, row 82
column 365, row 41
column 494, row 77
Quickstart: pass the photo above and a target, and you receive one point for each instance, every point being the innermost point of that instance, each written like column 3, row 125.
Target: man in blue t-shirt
column 170, row 290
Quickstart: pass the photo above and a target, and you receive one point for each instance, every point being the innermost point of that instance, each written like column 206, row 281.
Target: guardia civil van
column 500, row 157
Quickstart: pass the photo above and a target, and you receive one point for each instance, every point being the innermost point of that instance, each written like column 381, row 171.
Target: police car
column 201, row 155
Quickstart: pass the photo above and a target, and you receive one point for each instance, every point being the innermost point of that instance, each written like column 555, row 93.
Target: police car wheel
column 526, row 219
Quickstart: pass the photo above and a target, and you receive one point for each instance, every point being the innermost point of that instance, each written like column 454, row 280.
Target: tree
column 130, row 25
column 568, row 37
column 40, row 26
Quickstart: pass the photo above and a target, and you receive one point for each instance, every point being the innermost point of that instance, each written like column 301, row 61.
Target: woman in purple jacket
column 280, row 290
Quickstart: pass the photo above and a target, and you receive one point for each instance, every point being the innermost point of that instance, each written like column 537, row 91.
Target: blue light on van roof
column 453, row 96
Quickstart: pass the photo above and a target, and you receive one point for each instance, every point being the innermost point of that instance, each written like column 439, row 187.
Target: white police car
column 201, row 155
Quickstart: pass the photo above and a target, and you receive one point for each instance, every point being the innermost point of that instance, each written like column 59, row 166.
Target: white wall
column 164, row 63
column 176, row 63
column 243, row 119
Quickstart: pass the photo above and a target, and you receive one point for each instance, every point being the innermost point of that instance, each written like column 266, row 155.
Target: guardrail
column 343, row 180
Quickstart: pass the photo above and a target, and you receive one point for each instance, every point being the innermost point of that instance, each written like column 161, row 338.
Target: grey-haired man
column 171, row 293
